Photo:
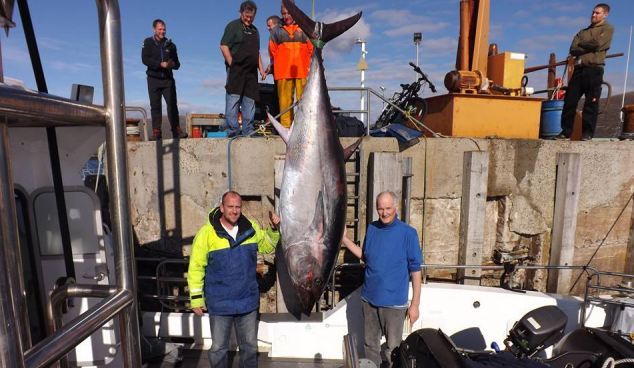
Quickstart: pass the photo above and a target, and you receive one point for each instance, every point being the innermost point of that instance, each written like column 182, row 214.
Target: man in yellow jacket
column 222, row 277
column 290, row 49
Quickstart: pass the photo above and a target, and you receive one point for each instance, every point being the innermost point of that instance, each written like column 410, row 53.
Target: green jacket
column 221, row 274
column 591, row 44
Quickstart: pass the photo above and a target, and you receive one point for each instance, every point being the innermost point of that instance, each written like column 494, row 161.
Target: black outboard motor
column 537, row 330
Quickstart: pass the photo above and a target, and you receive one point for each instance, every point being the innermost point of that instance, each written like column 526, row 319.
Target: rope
column 602, row 241
column 610, row 362
column 559, row 86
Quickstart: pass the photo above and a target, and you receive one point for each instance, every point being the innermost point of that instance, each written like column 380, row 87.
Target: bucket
column 197, row 132
column 132, row 130
column 550, row 118
column 628, row 121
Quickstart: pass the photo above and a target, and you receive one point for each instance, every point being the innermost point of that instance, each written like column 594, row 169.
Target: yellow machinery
column 506, row 69
column 485, row 98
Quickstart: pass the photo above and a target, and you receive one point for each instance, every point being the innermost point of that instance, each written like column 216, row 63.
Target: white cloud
column 12, row 53
column 403, row 22
column 545, row 42
column 563, row 21
column 213, row 84
column 74, row 66
column 346, row 41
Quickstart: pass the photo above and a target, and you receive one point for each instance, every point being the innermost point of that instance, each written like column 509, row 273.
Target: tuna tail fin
column 318, row 31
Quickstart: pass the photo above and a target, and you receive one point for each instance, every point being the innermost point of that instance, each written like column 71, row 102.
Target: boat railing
column 167, row 284
column 19, row 108
column 144, row 126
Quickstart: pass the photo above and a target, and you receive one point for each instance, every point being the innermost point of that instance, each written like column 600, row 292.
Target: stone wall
column 175, row 183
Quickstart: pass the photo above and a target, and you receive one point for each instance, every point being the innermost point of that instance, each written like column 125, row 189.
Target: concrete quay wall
column 173, row 184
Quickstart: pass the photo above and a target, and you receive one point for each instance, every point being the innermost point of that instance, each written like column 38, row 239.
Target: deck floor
column 198, row 359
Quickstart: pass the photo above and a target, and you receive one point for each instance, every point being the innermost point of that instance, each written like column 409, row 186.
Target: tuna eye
column 318, row 281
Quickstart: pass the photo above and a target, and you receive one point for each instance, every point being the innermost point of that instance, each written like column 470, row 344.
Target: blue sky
column 68, row 40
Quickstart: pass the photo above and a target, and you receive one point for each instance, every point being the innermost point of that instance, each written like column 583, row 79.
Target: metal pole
column 417, row 48
column 627, row 67
column 51, row 135
column 362, row 68
column 114, row 101
column 11, row 342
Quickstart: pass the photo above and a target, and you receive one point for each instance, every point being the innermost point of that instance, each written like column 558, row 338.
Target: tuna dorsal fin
column 348, row 151
column 318, row 31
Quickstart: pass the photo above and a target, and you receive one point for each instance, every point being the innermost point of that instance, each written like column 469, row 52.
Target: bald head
column 386, row 206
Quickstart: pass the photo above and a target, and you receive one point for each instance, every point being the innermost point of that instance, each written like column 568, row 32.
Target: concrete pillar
column 385, row 172
column 562, row 246
column 475, row 174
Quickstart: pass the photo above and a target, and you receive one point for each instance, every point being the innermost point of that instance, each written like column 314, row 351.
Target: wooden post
column 475, row 174
column 562, row 247
column 278, row 168
column 385, row 172
column 629, row 256
column 552, row 74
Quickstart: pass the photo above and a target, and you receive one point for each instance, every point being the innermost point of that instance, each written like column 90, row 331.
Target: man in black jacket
column 160, row 56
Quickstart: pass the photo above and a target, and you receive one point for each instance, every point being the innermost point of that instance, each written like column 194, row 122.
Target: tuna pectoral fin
column 348, row 151
column 317, row 227
column 281, row 129
column 329, row 31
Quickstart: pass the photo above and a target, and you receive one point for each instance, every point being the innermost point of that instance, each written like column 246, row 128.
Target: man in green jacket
column 589, row 47
column 222, row 277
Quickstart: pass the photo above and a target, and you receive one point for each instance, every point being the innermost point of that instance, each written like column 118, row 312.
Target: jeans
column 246, row 327
column 379, row 321
column 234, row 104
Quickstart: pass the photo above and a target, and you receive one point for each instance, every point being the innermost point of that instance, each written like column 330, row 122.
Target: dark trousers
column 379, row 321
column 165, row 88
column 585, row 81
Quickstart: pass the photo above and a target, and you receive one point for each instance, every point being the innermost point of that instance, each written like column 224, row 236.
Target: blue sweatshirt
column 390, row 253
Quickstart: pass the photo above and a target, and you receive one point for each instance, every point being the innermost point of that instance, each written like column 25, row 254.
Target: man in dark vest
column 160, row 56
column 240, row 46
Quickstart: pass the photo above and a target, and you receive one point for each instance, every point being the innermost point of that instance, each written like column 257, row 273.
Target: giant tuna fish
column 313, row 191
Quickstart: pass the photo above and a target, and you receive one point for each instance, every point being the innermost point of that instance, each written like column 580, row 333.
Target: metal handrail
column 34, row 109
column 59, row 296
column 367, row 111
column 123, row 302
column 144, row 119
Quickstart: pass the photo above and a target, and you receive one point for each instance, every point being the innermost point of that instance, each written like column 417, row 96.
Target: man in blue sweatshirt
column 392, row 257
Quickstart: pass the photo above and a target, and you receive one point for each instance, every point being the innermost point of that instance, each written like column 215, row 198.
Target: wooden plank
column 278, row 168
column 481, row 38
column 562, row 248
column 475, row 173
column 629, row 256
column 385, row 172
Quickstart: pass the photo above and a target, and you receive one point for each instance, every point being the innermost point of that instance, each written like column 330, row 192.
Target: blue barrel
column 550, row 119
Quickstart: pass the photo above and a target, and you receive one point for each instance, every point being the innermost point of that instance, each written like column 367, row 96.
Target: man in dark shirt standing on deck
column 589, row 47
column 240, row 46
column 160, row 56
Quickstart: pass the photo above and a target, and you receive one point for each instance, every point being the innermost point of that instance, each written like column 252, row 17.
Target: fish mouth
column 305, row 273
